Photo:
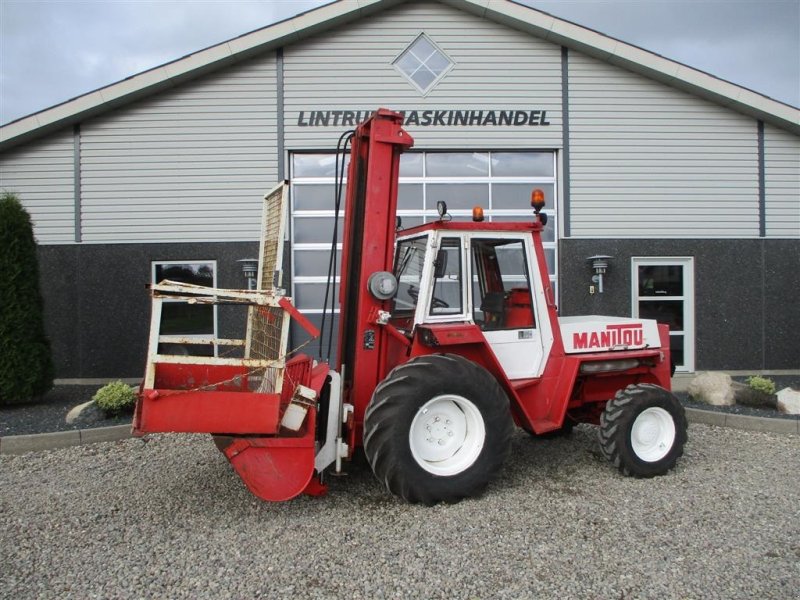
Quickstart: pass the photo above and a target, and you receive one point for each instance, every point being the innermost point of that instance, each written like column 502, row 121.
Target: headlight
column 382, row 285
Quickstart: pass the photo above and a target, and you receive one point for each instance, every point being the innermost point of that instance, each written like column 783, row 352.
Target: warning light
column 537, row 200
column 477, row 214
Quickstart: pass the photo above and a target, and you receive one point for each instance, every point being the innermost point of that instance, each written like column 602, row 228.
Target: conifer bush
column 26, row 365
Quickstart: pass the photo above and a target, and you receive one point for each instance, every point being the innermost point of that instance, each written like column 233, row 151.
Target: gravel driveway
column 169, row 518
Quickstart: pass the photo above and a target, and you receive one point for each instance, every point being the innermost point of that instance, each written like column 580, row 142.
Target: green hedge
column 26, row 366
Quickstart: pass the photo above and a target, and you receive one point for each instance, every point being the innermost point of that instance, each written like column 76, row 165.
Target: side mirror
column 440, row 264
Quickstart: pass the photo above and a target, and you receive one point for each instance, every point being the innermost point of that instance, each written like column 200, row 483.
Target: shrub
column 26, row 365
column 761, row 384
column 115, row 397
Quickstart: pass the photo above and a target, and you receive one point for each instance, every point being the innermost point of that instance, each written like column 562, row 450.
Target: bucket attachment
column 259, row 404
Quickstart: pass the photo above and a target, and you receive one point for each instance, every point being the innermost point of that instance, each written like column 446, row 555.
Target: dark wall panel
column 98, row 310
column 745, row 313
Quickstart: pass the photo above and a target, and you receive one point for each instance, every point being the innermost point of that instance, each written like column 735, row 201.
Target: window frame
column 215, row 313
column 432, row 85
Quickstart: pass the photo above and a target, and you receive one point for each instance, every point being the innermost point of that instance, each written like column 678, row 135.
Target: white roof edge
column 329, row 15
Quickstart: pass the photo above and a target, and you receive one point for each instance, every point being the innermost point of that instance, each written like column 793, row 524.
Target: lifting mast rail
column 368, row 247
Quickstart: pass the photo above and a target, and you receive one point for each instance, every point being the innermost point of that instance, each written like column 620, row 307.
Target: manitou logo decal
column 614, row 335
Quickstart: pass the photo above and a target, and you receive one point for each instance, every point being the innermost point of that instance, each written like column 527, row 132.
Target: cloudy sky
column 54, row 50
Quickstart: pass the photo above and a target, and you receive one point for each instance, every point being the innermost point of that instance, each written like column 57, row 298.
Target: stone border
column 20, row 444
column 746, row 422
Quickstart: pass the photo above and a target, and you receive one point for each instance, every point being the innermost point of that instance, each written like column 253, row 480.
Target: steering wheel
column 438, row 303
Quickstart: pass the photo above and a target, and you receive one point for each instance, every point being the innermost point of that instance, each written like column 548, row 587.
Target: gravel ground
column 169, row 518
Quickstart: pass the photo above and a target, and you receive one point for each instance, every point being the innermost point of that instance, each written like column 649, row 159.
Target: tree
column 26, row 365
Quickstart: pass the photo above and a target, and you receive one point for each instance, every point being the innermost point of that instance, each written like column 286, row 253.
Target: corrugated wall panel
column 782, row 179
column 651, row 161
column 496, row 68
column 42, row 176
column 190, row 164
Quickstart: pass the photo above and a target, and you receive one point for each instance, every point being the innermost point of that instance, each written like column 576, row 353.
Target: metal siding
column 782, row 174
column 42, row 176
column 190, row 164
column 648, row 160
column 496, row 67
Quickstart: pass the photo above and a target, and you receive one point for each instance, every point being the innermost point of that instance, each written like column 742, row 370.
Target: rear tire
column 437, row 429
column 643, row 430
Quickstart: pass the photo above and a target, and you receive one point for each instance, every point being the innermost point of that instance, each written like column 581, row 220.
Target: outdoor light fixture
column 600, row 265
column 249, row 269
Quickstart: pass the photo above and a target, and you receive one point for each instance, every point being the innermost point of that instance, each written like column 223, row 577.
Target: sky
column 54, row 50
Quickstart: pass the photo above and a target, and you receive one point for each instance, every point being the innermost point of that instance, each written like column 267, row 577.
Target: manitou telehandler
column 449, row 337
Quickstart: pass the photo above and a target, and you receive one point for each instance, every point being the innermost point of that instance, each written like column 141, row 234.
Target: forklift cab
column 466, row 273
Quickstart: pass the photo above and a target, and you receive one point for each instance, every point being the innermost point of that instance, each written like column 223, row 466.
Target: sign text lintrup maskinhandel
column 429, row 118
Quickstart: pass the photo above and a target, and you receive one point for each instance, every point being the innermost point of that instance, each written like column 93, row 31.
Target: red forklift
column 449, row 338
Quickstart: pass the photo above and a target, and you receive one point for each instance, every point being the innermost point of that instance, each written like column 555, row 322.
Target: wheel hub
column 447, row 435
column 652, row 434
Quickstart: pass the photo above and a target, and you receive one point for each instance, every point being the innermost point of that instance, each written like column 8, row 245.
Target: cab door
column 503, row 304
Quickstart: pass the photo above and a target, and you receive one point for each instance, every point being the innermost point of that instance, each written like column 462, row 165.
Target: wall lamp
column 249, row 269
column 600, row 265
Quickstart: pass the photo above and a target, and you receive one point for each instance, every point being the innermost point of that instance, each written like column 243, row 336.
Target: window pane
column 407, row 222
column 409, row 261
column 411, row 164
column 663, row 311
column 446, row 299
column 676, row 344
column 312, row 295
column 458, row 195
column 423, row 78
column 299, row 336
column 409, row 196
column 314, row 197
column 517, row 196
column 522, row 164
column 316, row 165
column 314, row 263
column 660, row 280
column 500, row 286
column 194, row 273
column 457, row 164
column 316, row 230
column 550, row 258
column 180, row 318
column 549, row 231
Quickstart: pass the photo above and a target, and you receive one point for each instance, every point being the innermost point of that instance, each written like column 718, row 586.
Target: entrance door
column 663, row 289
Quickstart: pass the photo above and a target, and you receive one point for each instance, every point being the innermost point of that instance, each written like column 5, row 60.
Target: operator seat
column 494, row 310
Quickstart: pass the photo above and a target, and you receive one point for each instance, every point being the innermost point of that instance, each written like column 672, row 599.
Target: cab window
column 501, row 289
column 447, row 297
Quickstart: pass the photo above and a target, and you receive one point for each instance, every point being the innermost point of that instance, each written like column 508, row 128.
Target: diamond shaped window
column 423, row 63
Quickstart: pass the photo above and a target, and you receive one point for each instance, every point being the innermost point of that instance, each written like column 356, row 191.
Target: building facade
column 691, row 184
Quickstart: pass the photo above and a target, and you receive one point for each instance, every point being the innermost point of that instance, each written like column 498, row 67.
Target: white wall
column 188, row 164
column 42, row 175
column 782, row 178
column 651, row 161
column 496, row 68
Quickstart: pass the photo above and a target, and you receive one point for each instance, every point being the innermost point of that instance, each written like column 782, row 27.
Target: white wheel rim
column 653, row 434
column 447, row 435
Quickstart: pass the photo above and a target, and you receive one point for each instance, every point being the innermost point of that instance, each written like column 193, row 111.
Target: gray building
column 691, row 183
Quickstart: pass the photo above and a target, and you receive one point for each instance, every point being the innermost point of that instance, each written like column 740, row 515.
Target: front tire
column 437, row 429
column 643, row 430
